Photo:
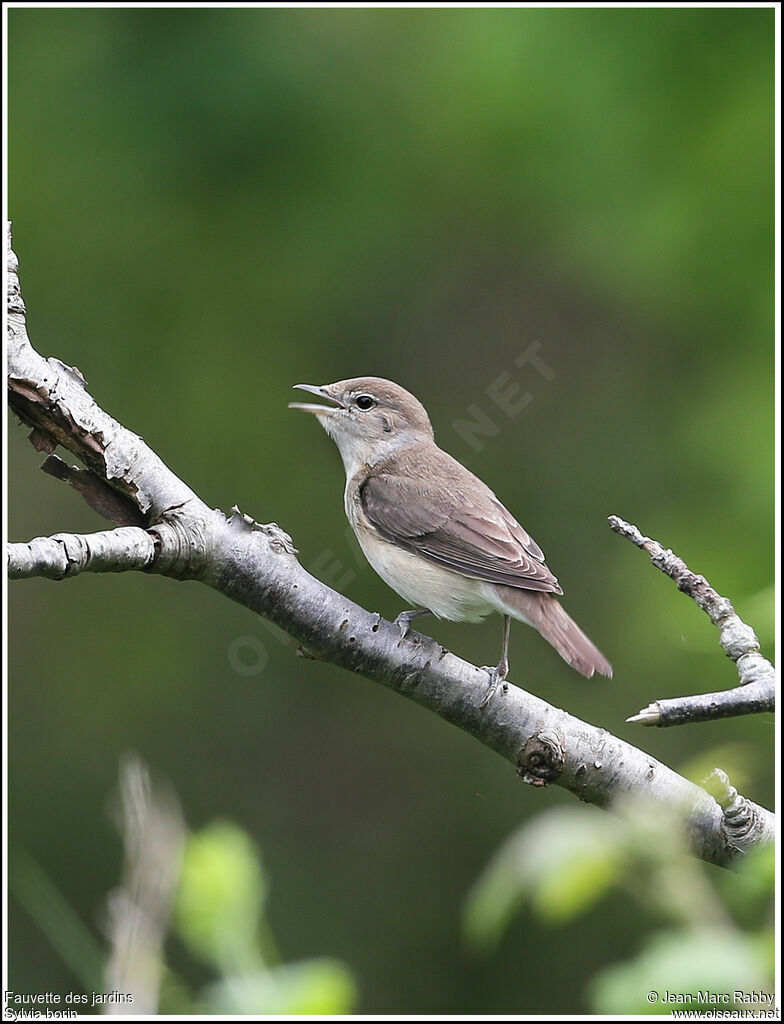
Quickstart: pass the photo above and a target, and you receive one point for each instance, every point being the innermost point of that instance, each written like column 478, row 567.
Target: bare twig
column 153, row 834
column 757, row 677
column 748, row 699
column 66, row 554
column 255, row 565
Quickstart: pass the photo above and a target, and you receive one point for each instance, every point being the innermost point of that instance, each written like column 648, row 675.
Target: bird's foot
column 403, row 621
column 497, row 675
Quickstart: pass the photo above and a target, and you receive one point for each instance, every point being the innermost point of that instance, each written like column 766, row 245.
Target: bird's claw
column 497, row 675
column 403, row 623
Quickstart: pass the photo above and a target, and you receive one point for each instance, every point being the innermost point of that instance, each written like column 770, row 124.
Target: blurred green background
column 212, row 205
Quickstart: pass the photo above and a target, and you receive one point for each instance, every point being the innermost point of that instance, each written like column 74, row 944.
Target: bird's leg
column 403, row 621
column 500, row 672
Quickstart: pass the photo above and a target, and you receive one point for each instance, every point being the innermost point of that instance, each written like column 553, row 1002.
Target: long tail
column 545, row 614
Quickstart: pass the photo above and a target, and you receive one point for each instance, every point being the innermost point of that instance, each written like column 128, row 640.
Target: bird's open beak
column 314, row 389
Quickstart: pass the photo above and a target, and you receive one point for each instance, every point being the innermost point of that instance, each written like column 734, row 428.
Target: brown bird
column 432, row 530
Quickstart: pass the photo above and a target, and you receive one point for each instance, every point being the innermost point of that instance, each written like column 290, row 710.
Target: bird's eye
column 365, row 402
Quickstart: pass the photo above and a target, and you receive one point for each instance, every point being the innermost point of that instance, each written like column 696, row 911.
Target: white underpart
column 424, row 585
column 447, row 594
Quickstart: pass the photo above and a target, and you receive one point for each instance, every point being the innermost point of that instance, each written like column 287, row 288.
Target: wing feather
column 451, row 518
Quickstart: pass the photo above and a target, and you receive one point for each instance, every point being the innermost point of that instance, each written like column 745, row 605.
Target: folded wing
column 450, row 517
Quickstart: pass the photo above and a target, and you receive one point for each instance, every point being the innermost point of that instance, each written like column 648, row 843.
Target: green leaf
column 563, row 861
column 577, row 884
column 220, row 899
column 751, row 885
column 312, row 987
column 682, row 964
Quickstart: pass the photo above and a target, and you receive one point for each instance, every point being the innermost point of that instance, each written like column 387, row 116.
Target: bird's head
column 368, row 418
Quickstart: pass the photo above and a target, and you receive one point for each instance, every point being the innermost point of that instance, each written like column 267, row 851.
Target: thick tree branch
column 757, row 677
column 256, row 566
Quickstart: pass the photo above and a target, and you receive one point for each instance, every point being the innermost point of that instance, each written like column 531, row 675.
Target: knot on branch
column 181, row 546
column 738, row 639
column 279, row 540
column 541, row 760
column 740, row 818
column 753, row 668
